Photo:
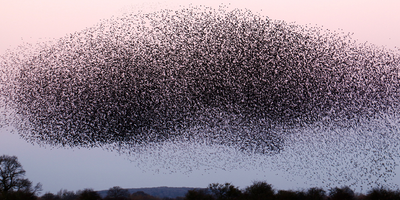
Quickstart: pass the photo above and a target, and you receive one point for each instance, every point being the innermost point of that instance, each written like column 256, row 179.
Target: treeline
column 216, row 191
column 227, row 191
column 264, row 191
column 114, row 193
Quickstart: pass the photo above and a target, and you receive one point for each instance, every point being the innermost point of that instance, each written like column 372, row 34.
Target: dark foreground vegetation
column 257, row 191
column 13, row 186
column 263, row 190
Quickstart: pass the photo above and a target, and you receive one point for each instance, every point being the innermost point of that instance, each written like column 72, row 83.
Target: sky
column 73, row 169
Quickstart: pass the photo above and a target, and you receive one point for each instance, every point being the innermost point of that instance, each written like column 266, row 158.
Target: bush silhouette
column 383, row 194
column 259, row 190
column 89, row 194
column 199, row 194
column 344, row 193
column 315, row 194
column 225, row 191
column 286, row 195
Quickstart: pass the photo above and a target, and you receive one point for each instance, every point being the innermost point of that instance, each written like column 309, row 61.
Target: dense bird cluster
column 200, row 75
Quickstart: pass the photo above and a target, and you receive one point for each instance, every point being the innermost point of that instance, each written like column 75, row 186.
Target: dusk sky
column 73, row 169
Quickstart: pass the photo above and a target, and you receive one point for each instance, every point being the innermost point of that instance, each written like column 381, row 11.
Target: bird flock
column 216, row 88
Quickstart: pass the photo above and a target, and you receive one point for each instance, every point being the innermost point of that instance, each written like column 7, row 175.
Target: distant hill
column 170, row 192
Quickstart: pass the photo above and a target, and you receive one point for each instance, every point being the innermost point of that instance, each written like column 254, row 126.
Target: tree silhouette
column 12, row 181
column 383, row 194
column 117, row 192
column 286, row 195
column 67, row 195
column 344, row 193
column 225, row 191
column 11, row 173
column 315, row 194
column 259, row 190
column 88, row 194
column 199, row 194
column 49, row 196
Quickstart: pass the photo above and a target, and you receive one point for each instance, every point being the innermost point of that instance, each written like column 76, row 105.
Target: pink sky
column 29, row 21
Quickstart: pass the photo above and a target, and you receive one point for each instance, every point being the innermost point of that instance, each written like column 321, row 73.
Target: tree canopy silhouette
column 12, row 181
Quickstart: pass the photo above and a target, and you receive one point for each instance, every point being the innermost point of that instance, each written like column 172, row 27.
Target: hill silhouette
column 161, row 192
